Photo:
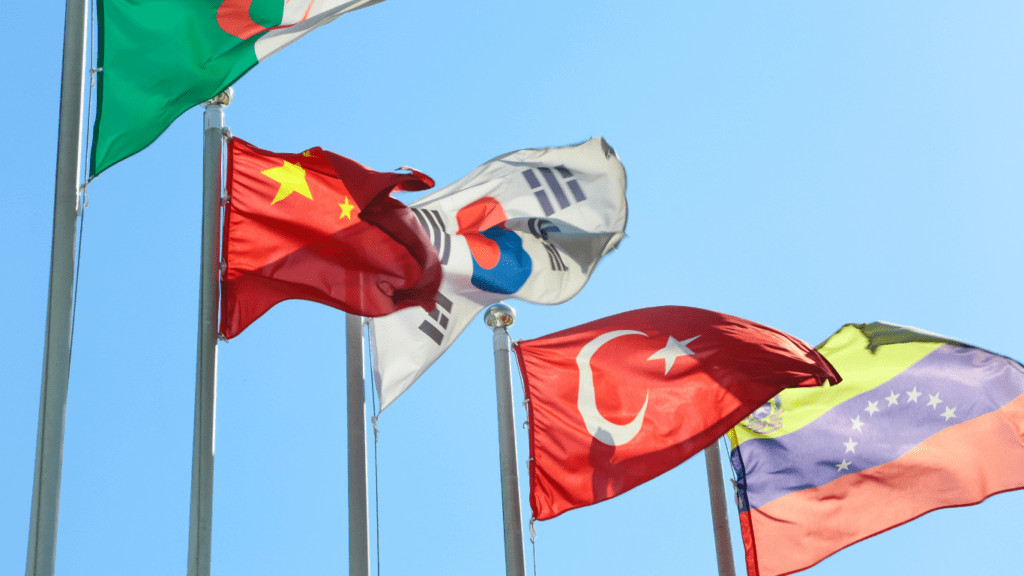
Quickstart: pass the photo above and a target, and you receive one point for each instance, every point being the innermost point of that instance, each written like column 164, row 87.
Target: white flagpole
column 42, row 536
column 204, row 428
column 500, row 317
column 358, row 519
column 719, row 510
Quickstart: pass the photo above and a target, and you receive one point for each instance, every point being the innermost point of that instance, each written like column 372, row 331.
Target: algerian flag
column 161, row 57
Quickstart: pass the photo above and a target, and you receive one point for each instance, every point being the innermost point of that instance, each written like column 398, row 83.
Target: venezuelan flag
column 920, row 422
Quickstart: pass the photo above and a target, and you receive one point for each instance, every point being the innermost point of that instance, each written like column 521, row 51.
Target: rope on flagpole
column 533, row 543
column 78, row 267
column 526, row 400
column 82, row 200
column 732, row 472
column 376, row 439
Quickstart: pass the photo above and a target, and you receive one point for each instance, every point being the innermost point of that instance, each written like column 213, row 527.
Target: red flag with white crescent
column 621, row 400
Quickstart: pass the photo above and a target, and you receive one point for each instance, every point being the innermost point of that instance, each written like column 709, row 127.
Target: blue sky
column 800, row 164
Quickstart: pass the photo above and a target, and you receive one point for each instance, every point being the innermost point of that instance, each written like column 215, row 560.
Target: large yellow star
column 346, row 209
column 292, row 178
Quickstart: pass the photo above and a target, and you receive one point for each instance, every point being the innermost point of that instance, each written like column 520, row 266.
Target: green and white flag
column 161, row 57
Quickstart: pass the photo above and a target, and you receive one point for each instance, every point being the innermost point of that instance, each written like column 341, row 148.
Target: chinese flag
column 621, row 400
column 318, row 226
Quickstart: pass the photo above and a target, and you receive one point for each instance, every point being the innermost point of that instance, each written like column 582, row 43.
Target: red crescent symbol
column 233, row 17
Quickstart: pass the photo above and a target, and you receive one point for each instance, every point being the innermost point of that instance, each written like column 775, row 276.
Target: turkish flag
column 621, row 400
column 318, row 226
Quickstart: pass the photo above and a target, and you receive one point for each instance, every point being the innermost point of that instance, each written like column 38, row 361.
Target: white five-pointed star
column 672, row 350
column 893, row 398
column 844, row 465
column 949, row 413
column 872, row 408
column 850, row 445
column 912, row 395
column 933, row 400
column 856, row 423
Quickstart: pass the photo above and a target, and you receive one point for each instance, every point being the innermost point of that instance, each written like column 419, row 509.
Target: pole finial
column 222, row 99
column 499, row 316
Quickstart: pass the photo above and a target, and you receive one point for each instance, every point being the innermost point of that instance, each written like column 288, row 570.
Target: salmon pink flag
column 318, row 226
column 922, row 422
column 621, row 400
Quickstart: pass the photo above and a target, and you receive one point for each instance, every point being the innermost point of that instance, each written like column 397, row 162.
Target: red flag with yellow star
column 318, row 226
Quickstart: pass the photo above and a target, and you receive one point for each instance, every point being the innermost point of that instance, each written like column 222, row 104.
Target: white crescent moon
column 607, row 432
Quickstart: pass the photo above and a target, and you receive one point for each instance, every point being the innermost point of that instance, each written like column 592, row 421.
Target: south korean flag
column 529, row 225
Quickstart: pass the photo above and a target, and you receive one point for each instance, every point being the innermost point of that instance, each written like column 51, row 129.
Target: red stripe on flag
column 960, row 466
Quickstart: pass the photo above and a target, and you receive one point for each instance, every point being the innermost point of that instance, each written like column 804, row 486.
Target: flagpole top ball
column 499, row 316
column 222, row 99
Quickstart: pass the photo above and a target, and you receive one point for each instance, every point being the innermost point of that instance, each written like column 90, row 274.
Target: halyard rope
column 376, row 439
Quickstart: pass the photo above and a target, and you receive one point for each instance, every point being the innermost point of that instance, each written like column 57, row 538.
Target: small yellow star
column 346, row 209
column 292, row 178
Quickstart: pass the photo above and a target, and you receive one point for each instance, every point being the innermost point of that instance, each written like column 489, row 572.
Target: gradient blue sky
column 800, row 164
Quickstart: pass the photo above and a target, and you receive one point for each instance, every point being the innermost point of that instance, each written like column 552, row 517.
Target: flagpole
column 499, row 317
column 53, row 397
column 719, row 510
column 358, row 518
column 204, row 427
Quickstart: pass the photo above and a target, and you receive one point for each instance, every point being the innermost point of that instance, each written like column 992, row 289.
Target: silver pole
column 53, row 397
column 204, row 428
column 500, row 317
column 358, row 519
column 719, row 511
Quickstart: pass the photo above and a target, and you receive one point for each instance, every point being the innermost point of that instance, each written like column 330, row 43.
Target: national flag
column 159, row 58
column 618, row 401
column 318, row 226
column 530, row 225
column 921, row 422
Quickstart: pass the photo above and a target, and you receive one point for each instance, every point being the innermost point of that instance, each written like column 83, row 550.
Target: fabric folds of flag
column 159, row 58
column 530, row 225
column 619, row 401
column 318, row 226
column 920, row 423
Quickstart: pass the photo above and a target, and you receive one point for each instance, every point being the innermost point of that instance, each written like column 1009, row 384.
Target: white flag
column 529, row 225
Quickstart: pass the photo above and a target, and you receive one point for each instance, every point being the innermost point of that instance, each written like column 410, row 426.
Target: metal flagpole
column 500, row 317
column 358, row 519
column 53, row 397
column 719, row 511
column 204, row 430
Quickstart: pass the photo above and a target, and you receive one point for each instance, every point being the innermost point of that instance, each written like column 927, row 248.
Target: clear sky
column 800, row 164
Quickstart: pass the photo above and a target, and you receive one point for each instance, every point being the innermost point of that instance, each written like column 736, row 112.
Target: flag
column 530, row 225
column 318, row 226
column 920, row 423
column 159, row 58
column 621, row 400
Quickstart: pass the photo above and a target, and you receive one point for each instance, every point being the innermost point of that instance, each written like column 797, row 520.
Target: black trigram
column 435, row 328
column 432, row 223
column 554, row 186
column 540, row 228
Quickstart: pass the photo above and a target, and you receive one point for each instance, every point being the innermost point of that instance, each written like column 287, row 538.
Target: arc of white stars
column 933, row 400
column 949, row 413
column 872, row 408
column 893, row 398
column 856, row 423
column 912, row 395
column 850, row 444
column 844, row 465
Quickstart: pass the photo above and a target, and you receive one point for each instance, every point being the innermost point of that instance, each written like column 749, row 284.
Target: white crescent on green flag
column 529, row 225
column 158, row 58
